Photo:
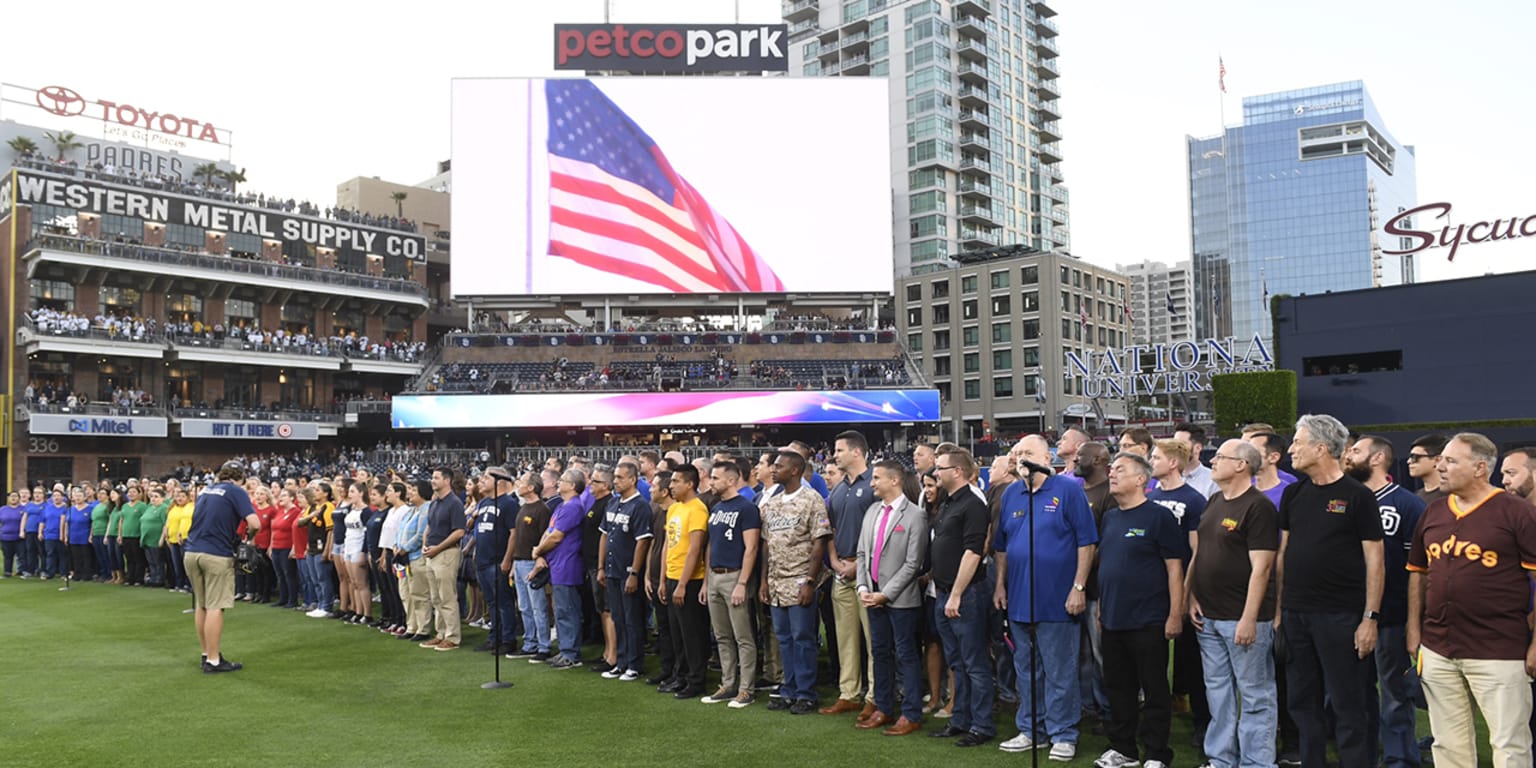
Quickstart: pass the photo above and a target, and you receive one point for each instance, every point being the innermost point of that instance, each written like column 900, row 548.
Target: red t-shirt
column 298, row 533
column 264, row 536
column 1476, row 563
column 282, row 527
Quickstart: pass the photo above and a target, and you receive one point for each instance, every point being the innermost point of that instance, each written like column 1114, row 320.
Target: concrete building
column 1160, row 301
column 993, row 335
column 975, row 138
column 1292, row 202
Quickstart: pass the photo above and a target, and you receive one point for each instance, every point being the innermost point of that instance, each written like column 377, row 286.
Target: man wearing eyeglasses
column 1423, row 465
column 959, row 542
column 1468, row 589
column 1332, row 572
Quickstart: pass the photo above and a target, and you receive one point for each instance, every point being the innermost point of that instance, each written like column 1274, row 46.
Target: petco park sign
column 67, row 102
column 668, row 48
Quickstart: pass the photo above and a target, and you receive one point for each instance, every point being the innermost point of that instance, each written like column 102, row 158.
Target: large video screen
column 671, row 186
column 577, row 409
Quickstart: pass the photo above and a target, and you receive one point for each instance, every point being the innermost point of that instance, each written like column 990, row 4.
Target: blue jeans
column 966, row 649
column 114, row 560
column 154, row 557
column 534, row 605
column 280, row 566
column 893, row 645
column 628, row 612
column 12, row 550
column 53, row 557
column 795, row 627
column 1399, row 745
column 180, row 568
column 325, row 581
column 103, row 566
column 31, row 551
column 1239, row 676
column 501, row 600
column 1004, row 680
column 1090, row 673
column 1057, row 697
column 568, row 619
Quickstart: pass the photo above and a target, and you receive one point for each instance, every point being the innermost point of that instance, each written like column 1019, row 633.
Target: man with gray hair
column 1231, row 605
column 1468, row 588
column 1332, row 572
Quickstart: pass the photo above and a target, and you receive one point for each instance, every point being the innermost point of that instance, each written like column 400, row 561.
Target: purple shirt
column 565, row 561
column 10, row 523
column 1273, row 494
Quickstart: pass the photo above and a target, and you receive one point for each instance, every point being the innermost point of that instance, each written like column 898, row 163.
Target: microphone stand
column 495, row 609
column 1034, row 638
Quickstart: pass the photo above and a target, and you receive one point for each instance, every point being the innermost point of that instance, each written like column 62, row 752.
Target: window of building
column 240, row 313
column 940, row 340
column 1001, row 305
column 914, row 342
column 1002, row 333
column 298, row 318
column 1098, row 284
column 183, row 234
column 969, row 336
column 940, row 314
column 184, row 308
column 1077, row 278
column 1002, row 359
column 928, row 226
column 915, row 292
column 1066, row 328
column 1031, row 354
column 122, row 226
column 1002, row 386
column 941, row 365
column 1066, row 301
column 1029, row 275
column 1066, row 275
column 914, row 317
column 926, row 177
column 999, row 280
column 968, row 309
column 972, row 362
column 968, row 284
column 1358, row 362
column 941, row 289
column 944, row 391
column 123, row 302
column 1029, row 301
column 927, row 250
column 923, row 202
column 1031, row 385
column 973, row 389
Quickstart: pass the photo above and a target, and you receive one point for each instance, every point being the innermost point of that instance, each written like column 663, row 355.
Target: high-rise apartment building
column 1292, row 202
column 975, row 139
column 1160, row 301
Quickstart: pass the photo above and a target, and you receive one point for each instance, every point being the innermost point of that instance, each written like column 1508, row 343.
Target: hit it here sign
column 672, row 48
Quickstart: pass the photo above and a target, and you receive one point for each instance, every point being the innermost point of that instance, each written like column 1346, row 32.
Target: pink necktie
column 885, row 516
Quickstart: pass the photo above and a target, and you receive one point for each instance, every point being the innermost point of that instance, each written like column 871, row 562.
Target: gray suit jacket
column 903, row 551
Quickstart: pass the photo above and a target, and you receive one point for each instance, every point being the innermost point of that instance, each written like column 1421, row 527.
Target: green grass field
column 108, row 676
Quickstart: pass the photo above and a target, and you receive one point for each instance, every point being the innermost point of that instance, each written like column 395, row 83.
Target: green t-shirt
column 132, row 511
column 114, row 521
column 99, row 517
column 153, row 523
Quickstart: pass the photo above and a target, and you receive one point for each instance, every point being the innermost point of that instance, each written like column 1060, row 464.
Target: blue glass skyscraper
column 1293, row 201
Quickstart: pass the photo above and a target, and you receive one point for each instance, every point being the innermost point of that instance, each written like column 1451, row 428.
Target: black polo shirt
column 961, row 527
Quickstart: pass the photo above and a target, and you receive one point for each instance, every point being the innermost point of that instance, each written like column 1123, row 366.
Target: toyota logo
column 60, row 100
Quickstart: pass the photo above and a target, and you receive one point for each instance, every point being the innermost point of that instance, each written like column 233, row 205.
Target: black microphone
column 1033, row 468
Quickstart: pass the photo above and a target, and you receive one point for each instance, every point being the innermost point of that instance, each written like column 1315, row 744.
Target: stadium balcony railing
column 92, row 409
column 327, row 416
column 225, row 264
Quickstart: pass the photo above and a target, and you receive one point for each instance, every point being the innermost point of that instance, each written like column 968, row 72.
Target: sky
column 318, row 93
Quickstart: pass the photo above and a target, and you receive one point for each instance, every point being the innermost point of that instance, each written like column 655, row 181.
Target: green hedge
column 1445, row 426
column 1243, row 398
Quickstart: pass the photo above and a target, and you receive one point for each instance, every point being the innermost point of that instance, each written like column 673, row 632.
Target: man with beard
column 1092, row 469
column 1368, row 461
column 1518, row 473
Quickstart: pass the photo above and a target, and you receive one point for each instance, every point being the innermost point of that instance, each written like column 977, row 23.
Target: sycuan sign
column 1454, row 237
column 672, row 48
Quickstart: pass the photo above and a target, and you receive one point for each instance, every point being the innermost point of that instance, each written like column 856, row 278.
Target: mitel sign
column 1160, row 369
column 81, row 425
column 1454, row 237
column 671, row 48
column 67, row 102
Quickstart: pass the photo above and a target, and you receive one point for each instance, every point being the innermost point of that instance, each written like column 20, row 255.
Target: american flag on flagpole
column 1264, row 281
column 1171, row 309
column 1125, row 307
column 1082, row 317
column 616, row 204
column 1039, row 389
column 1221, row 79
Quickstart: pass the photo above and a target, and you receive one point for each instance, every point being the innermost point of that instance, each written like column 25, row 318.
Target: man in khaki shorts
column 210, row 558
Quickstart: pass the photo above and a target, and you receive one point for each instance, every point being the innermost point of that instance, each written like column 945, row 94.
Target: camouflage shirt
column 792, row 522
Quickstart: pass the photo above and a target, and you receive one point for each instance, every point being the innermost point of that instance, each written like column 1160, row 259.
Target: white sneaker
column 316, row 614
column 612, row 673
column 1019, row 743
column 1112, row 759
column 629, row 676
column 1062, row 752
column 1156, row 764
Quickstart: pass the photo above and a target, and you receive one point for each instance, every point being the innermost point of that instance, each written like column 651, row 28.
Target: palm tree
column 232, row 178
column 399, row 198
column 65, row 142
column 22, row 146
column 206, row 172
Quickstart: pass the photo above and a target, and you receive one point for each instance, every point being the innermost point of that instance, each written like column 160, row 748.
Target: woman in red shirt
column 300, row 551
column 262, row 581
column 280, row 547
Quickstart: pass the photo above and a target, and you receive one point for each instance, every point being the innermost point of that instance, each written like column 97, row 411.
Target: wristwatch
column 1372, row 615
column 1077, row 587
column 629, row 569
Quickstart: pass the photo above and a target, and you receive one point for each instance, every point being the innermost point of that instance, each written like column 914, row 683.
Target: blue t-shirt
column 626, row 524
column 10, row 523
column 1187, row 505
column 819, row 485
column 565, row 561
column 644, row 488
column 1063, row 522
column 33, row 512
column 53, row 516
column 79, row 522
column 216, row 519
column 748, row 493
column 1133, row 572
column 845, row 510
column 727, row 522
column 1400, row 513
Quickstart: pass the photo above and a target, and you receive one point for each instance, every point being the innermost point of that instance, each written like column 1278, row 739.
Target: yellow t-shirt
column 683, row 518
column 178, row 522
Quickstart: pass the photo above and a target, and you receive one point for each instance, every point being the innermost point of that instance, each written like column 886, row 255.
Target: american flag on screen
column 616, row 204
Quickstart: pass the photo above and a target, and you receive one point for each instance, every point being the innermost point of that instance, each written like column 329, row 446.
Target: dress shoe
column 902, row 728
column 839, row 707
column 671, row 686
column 777, row 705
column 948, row 732
column 972, row 739
column 869, row 709
column 877, row 719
